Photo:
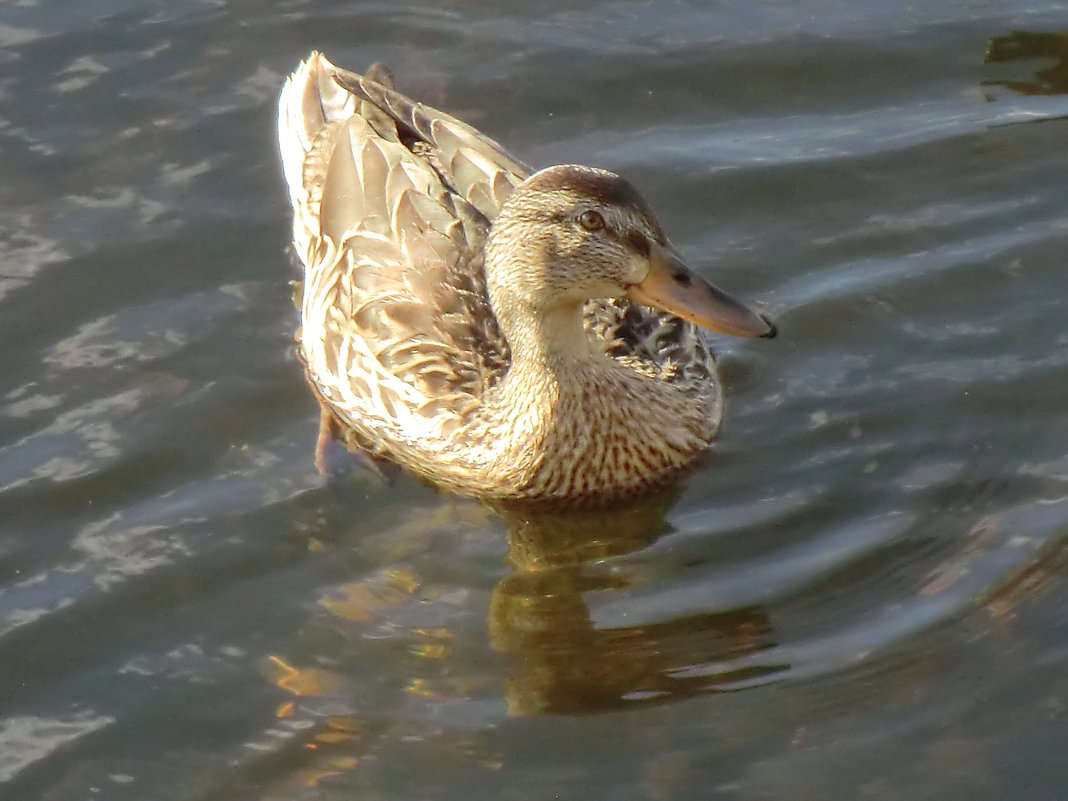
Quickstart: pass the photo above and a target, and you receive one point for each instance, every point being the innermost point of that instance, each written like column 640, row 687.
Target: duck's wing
column 392, row 201
column 656, row 343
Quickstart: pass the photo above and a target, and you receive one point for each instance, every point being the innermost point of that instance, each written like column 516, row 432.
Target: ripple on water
column 858, row 595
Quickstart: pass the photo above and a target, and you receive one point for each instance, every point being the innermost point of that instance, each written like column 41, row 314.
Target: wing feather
column 656, row 343
column 392, row 203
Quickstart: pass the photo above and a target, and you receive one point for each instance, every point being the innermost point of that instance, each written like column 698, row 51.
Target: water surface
column 860, row 595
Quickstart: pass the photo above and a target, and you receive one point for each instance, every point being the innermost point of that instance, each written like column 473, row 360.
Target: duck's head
column 570, row 233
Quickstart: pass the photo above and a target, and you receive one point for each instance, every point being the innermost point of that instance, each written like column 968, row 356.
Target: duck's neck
column 554, row 366
column 549, row 341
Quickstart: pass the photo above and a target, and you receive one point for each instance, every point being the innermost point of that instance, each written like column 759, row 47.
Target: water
column 860, row 596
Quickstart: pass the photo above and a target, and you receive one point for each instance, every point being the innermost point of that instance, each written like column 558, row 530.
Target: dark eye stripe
column 637, row 242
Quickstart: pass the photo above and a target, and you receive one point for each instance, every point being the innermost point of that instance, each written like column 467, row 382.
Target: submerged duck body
column 490, row 328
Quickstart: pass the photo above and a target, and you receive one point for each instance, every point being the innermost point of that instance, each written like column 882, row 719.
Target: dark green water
column 860, row 596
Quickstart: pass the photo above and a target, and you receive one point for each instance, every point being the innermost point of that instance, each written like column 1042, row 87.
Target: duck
column 503, row 333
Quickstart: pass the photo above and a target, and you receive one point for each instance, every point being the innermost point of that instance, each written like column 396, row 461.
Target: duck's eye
column 591, row 220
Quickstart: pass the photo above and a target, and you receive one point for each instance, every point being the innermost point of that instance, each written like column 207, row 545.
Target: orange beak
column 672, row 286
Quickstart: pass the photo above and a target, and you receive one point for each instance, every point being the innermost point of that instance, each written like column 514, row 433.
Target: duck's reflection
column 561, row 661
column 1025, row 45
column 560, row 658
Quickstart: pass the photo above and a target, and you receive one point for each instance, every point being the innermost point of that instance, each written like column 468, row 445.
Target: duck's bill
column 672, row 286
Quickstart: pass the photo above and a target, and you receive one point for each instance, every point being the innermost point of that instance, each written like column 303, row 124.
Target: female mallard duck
column 486, row 327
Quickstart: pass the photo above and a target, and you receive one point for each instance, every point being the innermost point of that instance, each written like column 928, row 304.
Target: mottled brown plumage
column 476, row 323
